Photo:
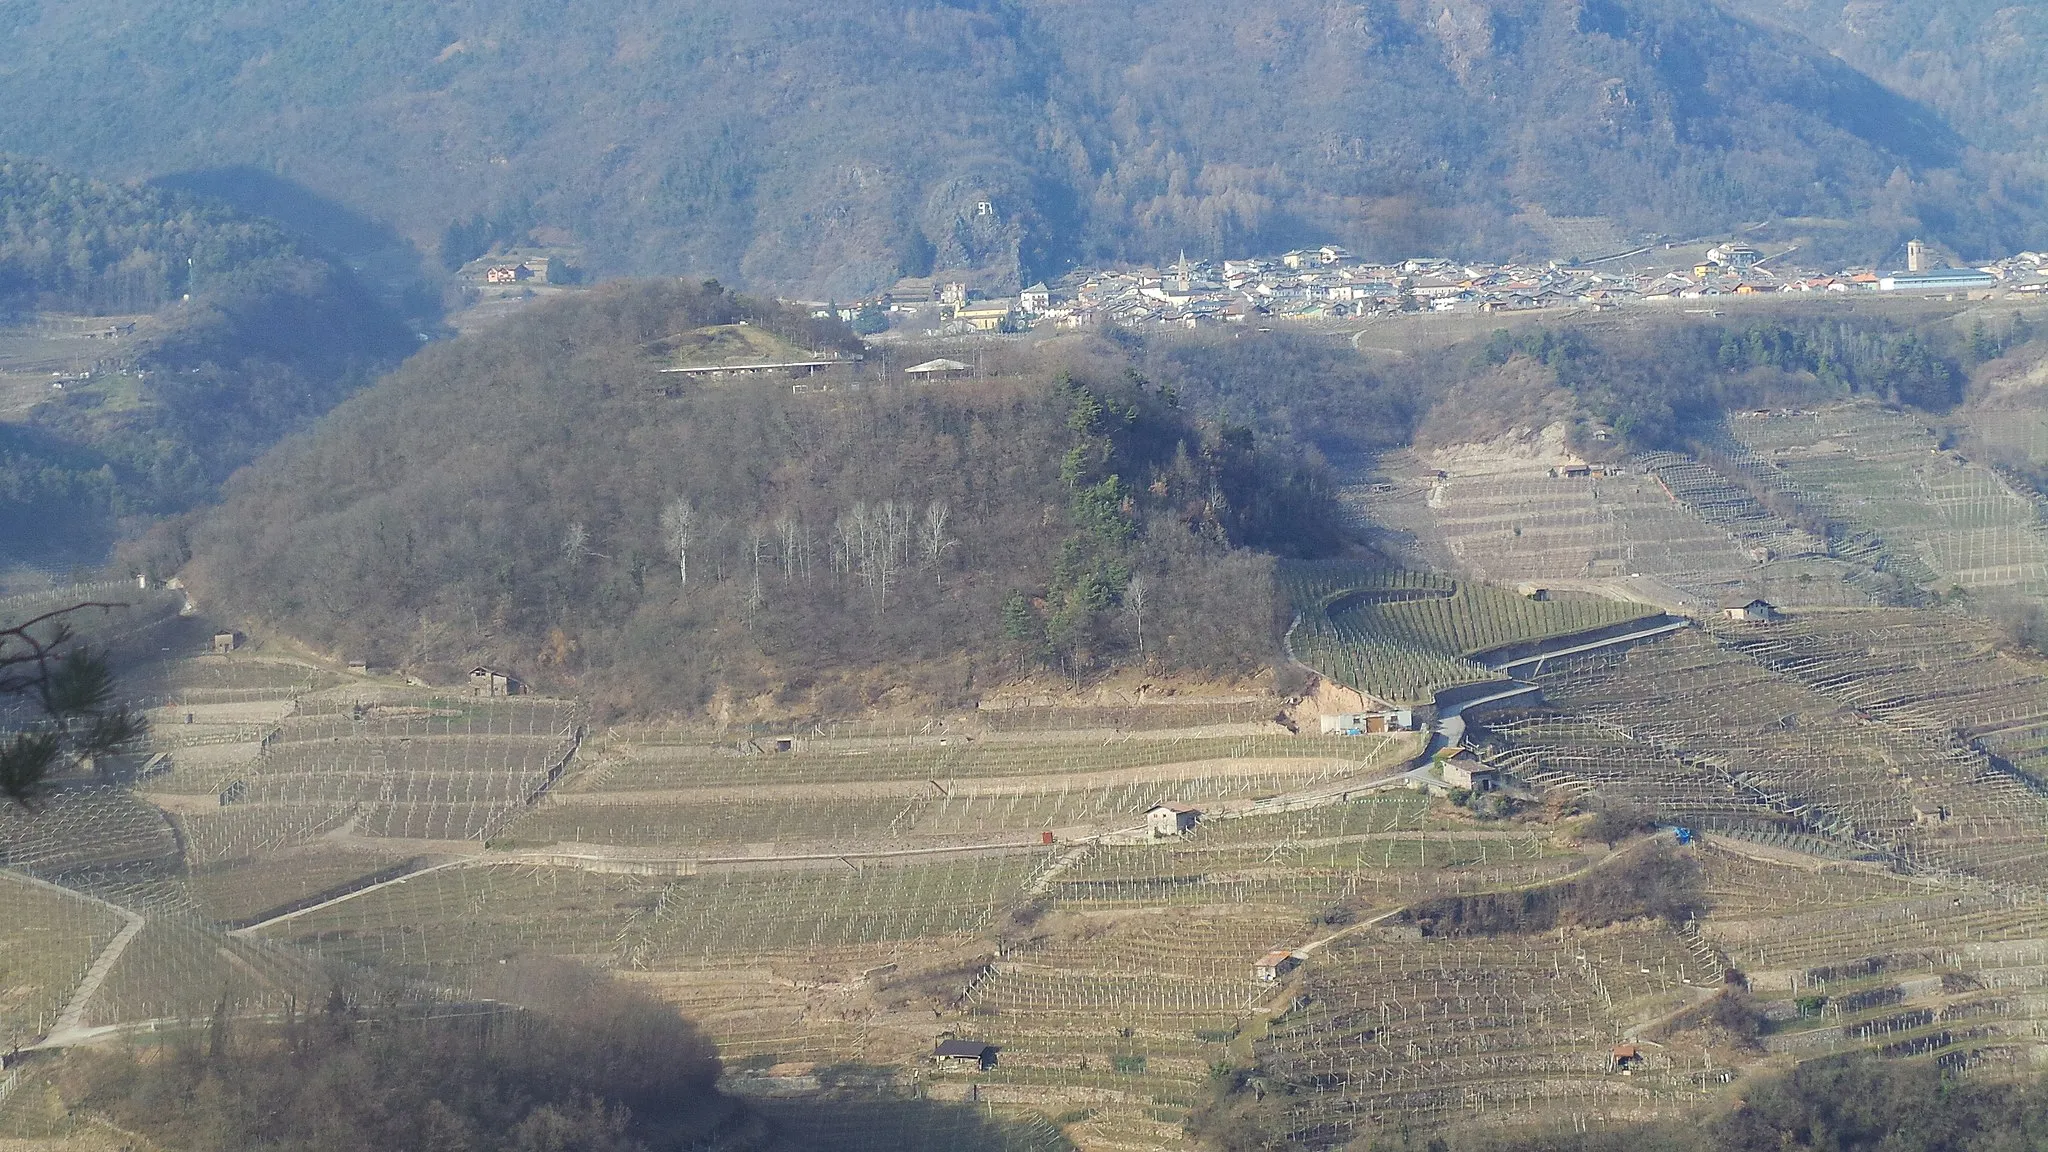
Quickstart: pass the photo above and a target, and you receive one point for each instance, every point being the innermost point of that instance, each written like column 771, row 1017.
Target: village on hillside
column 1330, row 283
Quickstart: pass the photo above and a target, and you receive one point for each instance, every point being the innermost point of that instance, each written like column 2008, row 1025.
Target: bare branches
column 69, row 690
column 1134, row 605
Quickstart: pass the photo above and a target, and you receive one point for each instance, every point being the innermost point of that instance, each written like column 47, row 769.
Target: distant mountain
column 226, row 333
column 785, row 146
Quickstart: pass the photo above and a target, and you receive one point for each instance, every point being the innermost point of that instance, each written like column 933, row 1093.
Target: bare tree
column 786, row 529
column 575, row 543
column 850, row 546
column 757, row 548
column 678, row 529
column 932, row 539
column 1134, row 604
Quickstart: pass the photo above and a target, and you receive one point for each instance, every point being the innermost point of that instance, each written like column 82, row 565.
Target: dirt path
column 68, row 1028
column 974, row 787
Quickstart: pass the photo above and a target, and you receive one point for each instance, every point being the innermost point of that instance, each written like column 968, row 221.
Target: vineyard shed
column 1753, row 612
column 969, row 1054
column 1275, row 964
column 1470, row 772
column 1172, row 819
column 488, row 682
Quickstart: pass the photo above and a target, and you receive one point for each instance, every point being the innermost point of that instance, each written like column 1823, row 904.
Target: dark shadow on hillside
column 386, row 262
column 903, row 1125
column 334, row 227
column 55, row 503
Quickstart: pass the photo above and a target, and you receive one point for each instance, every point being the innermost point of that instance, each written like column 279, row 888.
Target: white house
column 1754, row 612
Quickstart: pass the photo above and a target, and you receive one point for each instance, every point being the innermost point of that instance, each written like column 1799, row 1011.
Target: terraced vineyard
column 432, row 769
column 1866, row 783
column 1403, row 636
column 1930, row 514
column 48, row 939
column 1434, row 1031
column 1510, row 524
column 1664, row 526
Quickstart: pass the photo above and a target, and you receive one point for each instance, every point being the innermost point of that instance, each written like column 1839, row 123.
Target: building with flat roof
column 1938, row 280
column 973, row 1055
column 939, row 367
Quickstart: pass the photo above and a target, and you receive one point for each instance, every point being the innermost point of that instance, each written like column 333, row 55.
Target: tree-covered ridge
column 1665, row 384
column 77, row 244
column 249, row 336
column 534, row 497
column 778, row 147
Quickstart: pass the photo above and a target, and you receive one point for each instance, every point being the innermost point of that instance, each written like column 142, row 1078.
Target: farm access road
column 1452, row 703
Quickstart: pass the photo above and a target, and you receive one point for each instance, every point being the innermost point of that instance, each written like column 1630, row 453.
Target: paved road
column 1538, row 658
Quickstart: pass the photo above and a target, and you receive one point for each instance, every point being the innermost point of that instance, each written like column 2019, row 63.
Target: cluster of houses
column 1330, row 283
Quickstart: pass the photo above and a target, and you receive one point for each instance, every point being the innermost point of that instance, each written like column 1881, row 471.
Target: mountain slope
column 832, row 151
column 530, row 497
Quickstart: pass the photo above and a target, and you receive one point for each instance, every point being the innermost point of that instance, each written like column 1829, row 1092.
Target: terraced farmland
column 435, row 769
column 48, row 939
column 1390, row 1031
column 1931, row 514
column 1873, row 843
column 655, row 761
column 1514, row 523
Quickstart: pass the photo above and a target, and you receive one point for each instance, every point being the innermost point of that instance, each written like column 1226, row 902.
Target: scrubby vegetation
column 1653, row 881
column 1851, row 1104
column 1843, row 1104
column 532, row 498
column 1665, row 384
column 584, row 1065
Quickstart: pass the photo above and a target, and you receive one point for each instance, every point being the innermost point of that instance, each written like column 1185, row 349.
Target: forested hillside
column 781, row 147
column 74, row 244
column 243, row 335
column 1657, row 384
column 531, row 498
column 1977, row 62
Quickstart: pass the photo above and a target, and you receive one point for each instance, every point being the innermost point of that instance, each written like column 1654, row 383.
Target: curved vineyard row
column 1404, row 636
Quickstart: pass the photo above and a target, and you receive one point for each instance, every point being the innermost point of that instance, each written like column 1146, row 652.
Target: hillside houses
column 1329, row 283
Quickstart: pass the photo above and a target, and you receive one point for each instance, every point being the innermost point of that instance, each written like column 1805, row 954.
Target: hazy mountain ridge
column 791, row 149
